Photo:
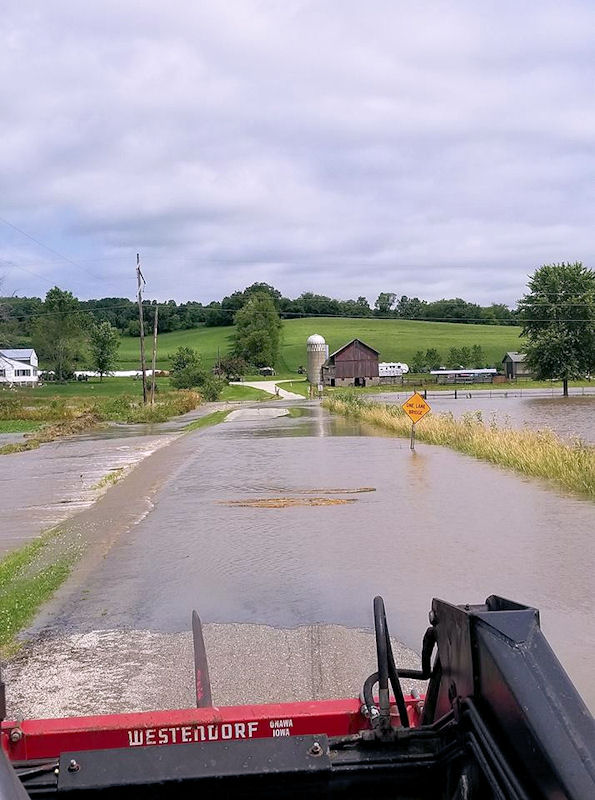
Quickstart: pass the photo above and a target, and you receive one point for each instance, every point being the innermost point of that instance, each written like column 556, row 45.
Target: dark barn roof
column 356, row 359
column 345, row 346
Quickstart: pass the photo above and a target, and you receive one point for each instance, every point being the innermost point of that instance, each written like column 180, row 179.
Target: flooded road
column 437, row 523
column 43, row 487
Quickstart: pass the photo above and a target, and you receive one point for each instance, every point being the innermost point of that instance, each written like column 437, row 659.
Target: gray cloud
column 430, row 149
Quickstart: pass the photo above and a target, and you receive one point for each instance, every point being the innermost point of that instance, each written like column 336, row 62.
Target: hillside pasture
column 397, row 340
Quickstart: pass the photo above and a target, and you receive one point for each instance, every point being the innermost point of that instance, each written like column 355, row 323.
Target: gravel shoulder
column 113, row 671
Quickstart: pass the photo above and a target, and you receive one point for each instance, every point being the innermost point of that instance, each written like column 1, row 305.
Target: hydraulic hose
column 387, row 668
column 383, row 664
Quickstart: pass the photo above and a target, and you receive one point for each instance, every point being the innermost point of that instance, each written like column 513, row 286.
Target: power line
column 49, row 249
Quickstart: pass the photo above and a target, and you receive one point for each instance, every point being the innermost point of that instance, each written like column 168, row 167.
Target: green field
column 397, row 340
column 116, row 387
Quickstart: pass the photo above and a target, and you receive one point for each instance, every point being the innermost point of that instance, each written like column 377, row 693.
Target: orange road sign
column 416, row 407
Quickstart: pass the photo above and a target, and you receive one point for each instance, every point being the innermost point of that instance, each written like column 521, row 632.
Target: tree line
column 17, row 314
column 557, row 315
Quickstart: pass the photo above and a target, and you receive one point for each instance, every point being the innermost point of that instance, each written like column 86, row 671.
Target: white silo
column 317, row 354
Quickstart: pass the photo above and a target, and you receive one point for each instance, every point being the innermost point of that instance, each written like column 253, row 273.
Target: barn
column 354, row 364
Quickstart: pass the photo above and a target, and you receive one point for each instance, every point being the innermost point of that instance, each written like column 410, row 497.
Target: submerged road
column 280, row 531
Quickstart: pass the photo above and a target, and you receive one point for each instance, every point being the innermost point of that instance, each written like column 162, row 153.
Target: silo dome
column 316, row 338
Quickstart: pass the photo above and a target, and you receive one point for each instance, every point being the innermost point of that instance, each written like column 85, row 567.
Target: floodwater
column 43, row 487
column 438, row 523
column 570, row 417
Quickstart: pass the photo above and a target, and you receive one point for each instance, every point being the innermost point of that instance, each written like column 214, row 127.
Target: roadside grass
column 397, row 340
column 298, row 386
column 18, row 426
column 28, row 578
column 209, row 419
column 110, row 478
column 536, row 453
column 232, row 393
column 69, row 415
column 132, row 409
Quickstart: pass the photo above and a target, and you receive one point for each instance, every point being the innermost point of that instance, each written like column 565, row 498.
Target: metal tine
column 201, row 667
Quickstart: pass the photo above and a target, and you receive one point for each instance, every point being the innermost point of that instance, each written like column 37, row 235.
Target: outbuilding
column 515, row 366
column 354, row 364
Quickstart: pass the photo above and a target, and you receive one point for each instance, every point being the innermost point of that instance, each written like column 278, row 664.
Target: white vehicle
column 392, row 369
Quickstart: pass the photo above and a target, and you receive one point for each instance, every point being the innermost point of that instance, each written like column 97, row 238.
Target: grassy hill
column 397, row 340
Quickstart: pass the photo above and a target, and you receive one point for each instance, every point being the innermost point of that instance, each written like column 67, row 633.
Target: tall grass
column 541, row 454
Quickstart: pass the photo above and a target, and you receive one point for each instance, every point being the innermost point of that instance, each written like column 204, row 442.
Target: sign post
column 415, row 408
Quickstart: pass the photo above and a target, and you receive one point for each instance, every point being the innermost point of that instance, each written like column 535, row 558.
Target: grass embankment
column 297, row 387
column 70, row 414
column 397, row 340
column 208, row 419
column 28, row 578
column 537, row 453
column 18, row 426
column 234, row 393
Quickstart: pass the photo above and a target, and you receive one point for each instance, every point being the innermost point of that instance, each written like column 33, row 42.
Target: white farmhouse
column 19, row 367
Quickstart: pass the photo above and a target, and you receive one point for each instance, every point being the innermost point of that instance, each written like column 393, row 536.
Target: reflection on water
column 438, row 524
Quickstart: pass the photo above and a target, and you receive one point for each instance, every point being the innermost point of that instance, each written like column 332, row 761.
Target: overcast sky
column 433, row 149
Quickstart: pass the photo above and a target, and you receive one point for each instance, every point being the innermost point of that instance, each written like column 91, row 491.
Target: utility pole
column 154, row 356
column 139, row 278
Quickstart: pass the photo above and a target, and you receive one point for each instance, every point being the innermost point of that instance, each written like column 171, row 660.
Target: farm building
column 464, row 375
column 354, row 364
column 19, row 367
column 514, row 366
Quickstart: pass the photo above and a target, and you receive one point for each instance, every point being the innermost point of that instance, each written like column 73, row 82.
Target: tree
column 104, row 341
column 257, row 334
column 465, row 354
column 184, row 357
column 188, row 372
column 477, row 357
column 433, row 358
column 418, row 362
column 384, row 303
column 410, row 307
column 454, row 359
column 59, row 332
column 558, row 319
column 231, row 368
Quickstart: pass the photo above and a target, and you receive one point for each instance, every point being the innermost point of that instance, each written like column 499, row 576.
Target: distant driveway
column 270, row 387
